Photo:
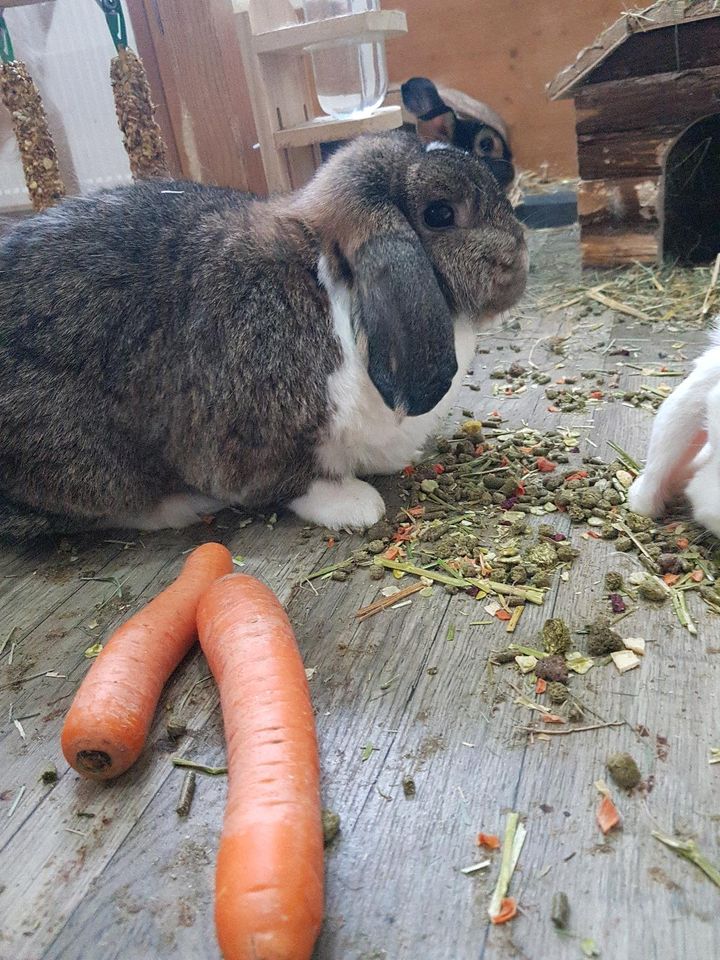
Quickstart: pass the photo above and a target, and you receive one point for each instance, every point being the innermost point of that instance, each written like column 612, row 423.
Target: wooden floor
column 90, row 871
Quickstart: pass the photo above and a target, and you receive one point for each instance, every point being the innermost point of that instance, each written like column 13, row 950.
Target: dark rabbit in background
column 169, row 348
column 450, row 116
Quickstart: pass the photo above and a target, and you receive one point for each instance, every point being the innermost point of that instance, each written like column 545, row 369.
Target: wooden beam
column 606, row 249
column 198, row 57
column 666, row 99
column 637, row 153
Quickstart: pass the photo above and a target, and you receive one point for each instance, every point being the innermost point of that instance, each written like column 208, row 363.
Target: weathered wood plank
column 626, row 889
column 37, row 905
column 58, row 645
column 637, row 153
column 665, row 99
column 626, row 202
column 613, row 249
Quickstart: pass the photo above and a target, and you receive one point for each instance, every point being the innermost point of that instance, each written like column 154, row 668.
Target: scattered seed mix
column 485, row 516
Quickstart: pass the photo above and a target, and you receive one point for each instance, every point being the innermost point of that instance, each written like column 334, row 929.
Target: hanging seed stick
column 135, row 111
column 29, row 121
column 136, row 117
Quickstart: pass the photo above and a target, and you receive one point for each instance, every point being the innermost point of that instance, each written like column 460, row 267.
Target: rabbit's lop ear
column 403, row 319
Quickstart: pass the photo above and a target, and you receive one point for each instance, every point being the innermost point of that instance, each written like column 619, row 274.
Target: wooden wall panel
column 198, row 60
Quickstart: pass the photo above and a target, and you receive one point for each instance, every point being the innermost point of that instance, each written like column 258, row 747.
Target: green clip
column 115, row 21
column 7, row 54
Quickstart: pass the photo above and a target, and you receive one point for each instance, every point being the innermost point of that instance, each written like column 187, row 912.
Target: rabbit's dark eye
column 439, row 215
column 487, row 144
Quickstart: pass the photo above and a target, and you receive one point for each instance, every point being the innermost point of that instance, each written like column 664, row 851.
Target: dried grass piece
column 136, row 117
column 29, row 121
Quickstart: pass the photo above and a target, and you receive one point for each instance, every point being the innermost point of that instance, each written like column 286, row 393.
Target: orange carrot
column 540, row 685
column 488, row 840
column 508, row 910
column 503, row 615
column 269, row 874
column 607, row 815
column 109, row 720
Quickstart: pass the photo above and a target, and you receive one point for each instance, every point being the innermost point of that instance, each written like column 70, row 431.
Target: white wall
column 67, row 48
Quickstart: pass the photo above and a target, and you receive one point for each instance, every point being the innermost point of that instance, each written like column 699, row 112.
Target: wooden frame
column 192, row 58
column 272, row 42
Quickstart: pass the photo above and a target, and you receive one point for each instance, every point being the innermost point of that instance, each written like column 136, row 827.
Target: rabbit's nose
column 515, row 260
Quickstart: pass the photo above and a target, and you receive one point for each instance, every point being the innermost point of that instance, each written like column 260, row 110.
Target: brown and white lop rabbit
column 169, row 348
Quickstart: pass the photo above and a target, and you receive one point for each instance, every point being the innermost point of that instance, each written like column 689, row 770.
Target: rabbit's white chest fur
column 365, row 436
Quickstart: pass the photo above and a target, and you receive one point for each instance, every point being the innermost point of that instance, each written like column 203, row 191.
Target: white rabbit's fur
column 365, row 436
column 684, row 451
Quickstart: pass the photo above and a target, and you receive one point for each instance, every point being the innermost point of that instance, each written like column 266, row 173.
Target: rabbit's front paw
column 174, row 512
column 703, row 492
column 645, row 498
column 340, row 504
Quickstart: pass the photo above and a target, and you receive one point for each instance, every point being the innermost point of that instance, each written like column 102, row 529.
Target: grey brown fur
column 171, row 338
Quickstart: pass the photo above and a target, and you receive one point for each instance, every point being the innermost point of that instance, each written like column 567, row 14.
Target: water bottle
column 350, row 77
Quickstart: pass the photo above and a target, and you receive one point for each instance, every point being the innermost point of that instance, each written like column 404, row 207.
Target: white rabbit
column 684, row 451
